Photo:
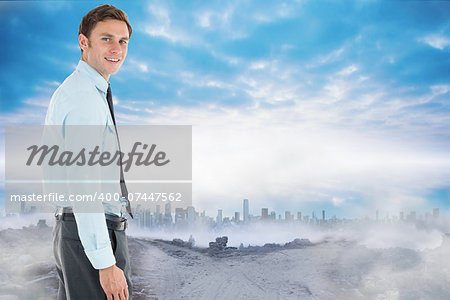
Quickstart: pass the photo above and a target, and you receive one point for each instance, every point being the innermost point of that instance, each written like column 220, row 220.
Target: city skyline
column 189, row 216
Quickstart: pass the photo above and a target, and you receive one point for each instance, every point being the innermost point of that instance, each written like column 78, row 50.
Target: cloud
column 40, row 101
column 436, row 41
column 139, row 65
column 258, row 65
column 441, row 89
column 159, row 24
column 268, row 154
column 204, row 19
column 337, row 201
column 32, row 114
column 349, row 70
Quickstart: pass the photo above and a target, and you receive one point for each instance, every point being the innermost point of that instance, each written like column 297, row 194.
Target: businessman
column 90, row 248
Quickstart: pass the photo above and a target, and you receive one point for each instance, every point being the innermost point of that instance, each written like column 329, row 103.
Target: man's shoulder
column 76, row 94
column 76, row 90
column 76, row 84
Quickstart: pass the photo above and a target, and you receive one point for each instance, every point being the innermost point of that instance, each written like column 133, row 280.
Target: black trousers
column 78, row 280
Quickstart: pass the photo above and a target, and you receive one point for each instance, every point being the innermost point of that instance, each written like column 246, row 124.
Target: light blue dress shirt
column 81, row 100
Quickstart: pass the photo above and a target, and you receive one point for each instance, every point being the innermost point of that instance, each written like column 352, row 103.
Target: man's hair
column 102, row 13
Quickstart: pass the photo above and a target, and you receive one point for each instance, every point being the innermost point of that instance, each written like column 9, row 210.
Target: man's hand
column 114, row 283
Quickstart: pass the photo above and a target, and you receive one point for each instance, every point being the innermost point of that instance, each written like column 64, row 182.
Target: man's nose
column 115, row 48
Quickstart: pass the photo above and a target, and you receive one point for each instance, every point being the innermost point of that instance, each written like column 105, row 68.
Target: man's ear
column 83, row 40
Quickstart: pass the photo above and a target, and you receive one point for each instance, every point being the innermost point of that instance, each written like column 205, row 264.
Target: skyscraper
column 190, row 214
column 219, row 217
column 168, row 213
column 264, row 213
column 273, row 215
column 245, row 211
column 288, row 216
column 436, row 213
column 168, row 209
column 237, row 218
column 180, row 215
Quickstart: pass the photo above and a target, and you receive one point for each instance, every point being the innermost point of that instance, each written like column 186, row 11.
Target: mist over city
column 261, row 256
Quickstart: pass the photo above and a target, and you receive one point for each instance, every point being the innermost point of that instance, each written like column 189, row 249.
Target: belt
column 113, row 222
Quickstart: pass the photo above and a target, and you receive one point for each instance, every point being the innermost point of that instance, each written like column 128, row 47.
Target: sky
column 299, row 105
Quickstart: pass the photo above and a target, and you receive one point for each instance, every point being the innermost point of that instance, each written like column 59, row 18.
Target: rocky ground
column 299, row 270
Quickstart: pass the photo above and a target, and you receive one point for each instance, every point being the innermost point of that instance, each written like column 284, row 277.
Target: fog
column 17, row 222
column 369, row 234
column 355, row 260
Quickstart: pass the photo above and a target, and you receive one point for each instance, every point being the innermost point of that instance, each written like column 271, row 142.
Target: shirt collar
column 95, row 76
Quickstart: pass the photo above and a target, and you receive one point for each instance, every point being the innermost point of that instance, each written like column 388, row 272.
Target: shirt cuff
column 101, row 258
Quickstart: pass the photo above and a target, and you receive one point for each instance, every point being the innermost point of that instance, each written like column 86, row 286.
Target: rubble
column 298, row 243
column 219, row 244
column 219, row 247
column 181, row 243
column 41, row 224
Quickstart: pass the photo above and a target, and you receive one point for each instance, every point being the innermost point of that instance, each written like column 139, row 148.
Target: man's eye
column 106, row 39
column 123, row 42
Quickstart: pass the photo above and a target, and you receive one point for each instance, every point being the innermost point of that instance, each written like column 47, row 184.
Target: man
column 90, row 248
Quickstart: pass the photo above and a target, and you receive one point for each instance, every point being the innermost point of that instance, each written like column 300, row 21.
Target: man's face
column 107, row 46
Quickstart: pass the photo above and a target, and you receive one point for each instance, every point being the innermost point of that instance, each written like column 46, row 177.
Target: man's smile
column 114, row 60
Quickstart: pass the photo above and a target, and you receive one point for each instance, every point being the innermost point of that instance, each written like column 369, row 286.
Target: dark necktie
column 123, row 186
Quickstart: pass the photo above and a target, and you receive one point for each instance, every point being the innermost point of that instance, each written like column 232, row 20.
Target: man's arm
column 90, row 217
column 82, row 131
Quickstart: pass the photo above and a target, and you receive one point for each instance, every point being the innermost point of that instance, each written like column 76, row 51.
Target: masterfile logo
column 93, row 157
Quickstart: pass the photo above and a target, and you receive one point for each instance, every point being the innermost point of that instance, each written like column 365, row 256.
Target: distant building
column 190, row 214
column 147, row 218
column 288, row 216
column 219, row 217
column 264, row 213
column 168, row 213
column 273, row 215
column 411, row 217
column 299, row 216
column 237, row 217
column 180, row 215
column 168, row 209
column 245, row 212
column 435, row 213
column 323, row 215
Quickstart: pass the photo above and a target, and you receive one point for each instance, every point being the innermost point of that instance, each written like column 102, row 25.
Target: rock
column 42, row 224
